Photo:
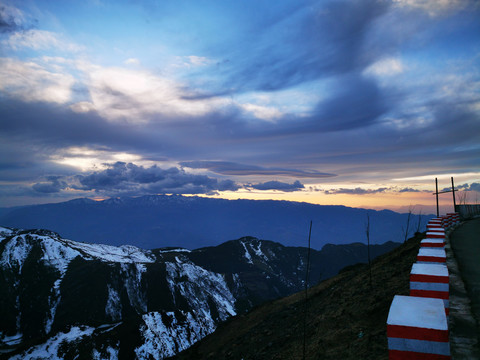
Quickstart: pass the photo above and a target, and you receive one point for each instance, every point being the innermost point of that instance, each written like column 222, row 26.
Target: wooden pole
column 436, row 194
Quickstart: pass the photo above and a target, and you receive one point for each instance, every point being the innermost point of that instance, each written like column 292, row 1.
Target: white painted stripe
column 421, row 346
column 415, row 285
column 429, row 269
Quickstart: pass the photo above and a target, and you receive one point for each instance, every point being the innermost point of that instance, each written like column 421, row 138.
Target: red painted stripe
column 416, row 333
column 433, row 235
column 430, row 294
column 429, row 278
column 410, row 355
column 434, row 245
column 431, row 258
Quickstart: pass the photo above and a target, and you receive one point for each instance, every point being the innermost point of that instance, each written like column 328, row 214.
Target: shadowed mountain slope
column 156, row 221
column 346, row 317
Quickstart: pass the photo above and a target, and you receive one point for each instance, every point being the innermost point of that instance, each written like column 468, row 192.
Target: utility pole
column 453, row 192
column 443, row 192
column 306, row 294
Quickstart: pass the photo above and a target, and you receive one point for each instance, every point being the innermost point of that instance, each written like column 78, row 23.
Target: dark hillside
column 346, row 317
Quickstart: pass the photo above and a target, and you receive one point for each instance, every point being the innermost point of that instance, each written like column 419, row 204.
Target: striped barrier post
column 450, row 220
column 431, row 255
column 434, row 227
column 457, row 218
column 436, row 234
column 454, row 217
column 445, row 221
column 433, row 243
column 417, row 329
column 435, row 223
column 430, row 280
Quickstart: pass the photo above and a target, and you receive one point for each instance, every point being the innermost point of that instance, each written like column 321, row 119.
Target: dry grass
column 346, row 317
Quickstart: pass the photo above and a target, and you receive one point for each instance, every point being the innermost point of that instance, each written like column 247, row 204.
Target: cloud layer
column 237, row 95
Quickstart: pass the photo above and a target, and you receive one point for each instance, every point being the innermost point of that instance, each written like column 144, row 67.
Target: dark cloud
column 54, row 184
column 7, row 22
column 277, row 185
column 128, row 178
column 231, row 168
column 317, row 41
column 357, row 103
column 468, row 187
column 408, row 190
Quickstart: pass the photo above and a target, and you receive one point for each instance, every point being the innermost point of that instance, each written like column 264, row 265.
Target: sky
column 356, row 103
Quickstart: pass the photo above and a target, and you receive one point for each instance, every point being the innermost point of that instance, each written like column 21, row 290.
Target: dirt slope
column 346, row 317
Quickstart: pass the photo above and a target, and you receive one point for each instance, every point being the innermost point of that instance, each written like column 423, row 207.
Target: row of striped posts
column 417, row 325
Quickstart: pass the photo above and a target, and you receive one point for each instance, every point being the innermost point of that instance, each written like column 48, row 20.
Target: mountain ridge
column 173, row 220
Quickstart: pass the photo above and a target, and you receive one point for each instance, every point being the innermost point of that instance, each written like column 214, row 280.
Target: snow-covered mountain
column 62, row 298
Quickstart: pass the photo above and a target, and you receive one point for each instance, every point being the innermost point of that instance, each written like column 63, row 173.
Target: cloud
column 386, row 67
column 132, row 61
column 40, row 40
column 404, row 190
column 435, row 7
column 30, row 81
column 11, row 19
column 262, row 112
column 54, row 184
column 356, row 191
column 130, row 179
column 231, row 168
column 277, row 185
column 468, row 187
column 322, row 40
column 140, row 96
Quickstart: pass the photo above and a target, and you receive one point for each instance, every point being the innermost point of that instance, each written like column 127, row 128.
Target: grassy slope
column 346, row 317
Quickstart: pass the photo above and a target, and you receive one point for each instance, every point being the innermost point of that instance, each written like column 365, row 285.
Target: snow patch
column 114, row 305
column 133, row 280
column 119, row 254
column 15, row 253
column 258, row 251
column 49, row 350
column 11, row 340
column 247, row 254
column 53, row 301
column 5, row 232
column 199, row 286
column 111, row 354
column 56, row 253
column 165, row 335
column 174, row 250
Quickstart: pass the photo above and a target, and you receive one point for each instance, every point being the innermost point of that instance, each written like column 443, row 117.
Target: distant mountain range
column 65, row 299
column 160, row 220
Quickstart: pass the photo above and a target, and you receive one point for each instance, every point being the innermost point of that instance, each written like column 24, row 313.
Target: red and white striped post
column 433, row 243
column 417, row 329
column 445, row 221
column 454, row 218
column 435, row 238
column 431, row 255
column 430, row 280
column 435, row 224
